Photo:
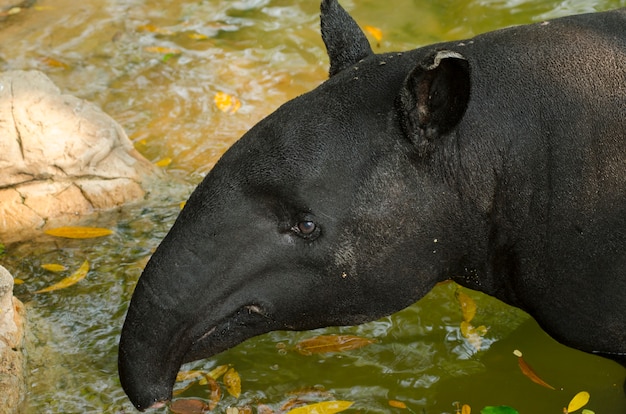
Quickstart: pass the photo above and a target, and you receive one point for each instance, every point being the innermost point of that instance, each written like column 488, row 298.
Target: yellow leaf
column 468, row 306
column 197, row 36
column 53, row 267
column 331, row 343
column 473, row 335
column 232, row 381
column 154, row 29
column 579, row 401
column 215, row 373
column 163, row 162
column 466, row 409
column 530, row 373
column 17, row 281
column 397, row 404
column 189, row 375
column 78, row 232
column 54, row 63
column 182, row 204
column 226, row 102
column 162, row 50
column 329, row 407
column 375, row 32
column 74, row 278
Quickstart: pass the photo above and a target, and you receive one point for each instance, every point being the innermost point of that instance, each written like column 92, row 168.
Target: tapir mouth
column 248, row 321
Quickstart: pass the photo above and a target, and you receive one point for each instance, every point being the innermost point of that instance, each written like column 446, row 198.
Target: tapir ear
column 434, row 97
column 345, row 42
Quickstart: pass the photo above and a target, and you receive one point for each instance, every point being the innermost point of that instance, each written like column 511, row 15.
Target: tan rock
column 60, row 157
column 12, row 385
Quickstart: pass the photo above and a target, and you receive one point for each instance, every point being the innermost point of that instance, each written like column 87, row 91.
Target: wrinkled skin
column 499, row 162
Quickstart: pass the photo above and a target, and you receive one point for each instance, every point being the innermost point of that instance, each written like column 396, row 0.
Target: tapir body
column 499, row 162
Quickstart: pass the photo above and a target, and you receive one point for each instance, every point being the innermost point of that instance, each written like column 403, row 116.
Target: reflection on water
column 156, row 67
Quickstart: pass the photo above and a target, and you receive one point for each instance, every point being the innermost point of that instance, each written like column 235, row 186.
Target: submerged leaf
column 468, row 306
column 328, row 407
column 189, row 375
column 579, row 401
column 74, row 278
column 189, row 406
column 215, row 392
column 78, row 232
column 54, row 63
column 331, row 343
column 397, row 404
column 530, row 373
column 232, row 381
column 501, row 409
column 162, row 50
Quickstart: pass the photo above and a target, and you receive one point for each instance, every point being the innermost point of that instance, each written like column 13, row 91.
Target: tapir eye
column 307, row 229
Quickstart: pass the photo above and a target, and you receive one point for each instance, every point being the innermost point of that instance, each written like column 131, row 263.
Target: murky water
column 156, row 67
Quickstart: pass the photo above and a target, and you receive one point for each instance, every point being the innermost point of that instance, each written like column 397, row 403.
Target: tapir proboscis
column 498, row 162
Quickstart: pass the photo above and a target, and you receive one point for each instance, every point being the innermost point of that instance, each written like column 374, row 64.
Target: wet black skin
column 499, row 162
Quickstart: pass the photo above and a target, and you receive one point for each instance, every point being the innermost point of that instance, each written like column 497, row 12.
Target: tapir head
column 327, row 212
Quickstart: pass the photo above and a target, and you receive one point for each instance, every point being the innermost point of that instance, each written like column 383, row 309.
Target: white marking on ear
column 444, row 54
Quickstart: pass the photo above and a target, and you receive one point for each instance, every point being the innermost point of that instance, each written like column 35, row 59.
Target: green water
column 264, row 52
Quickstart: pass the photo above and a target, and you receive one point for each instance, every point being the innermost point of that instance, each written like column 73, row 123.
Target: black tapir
column 499, row 162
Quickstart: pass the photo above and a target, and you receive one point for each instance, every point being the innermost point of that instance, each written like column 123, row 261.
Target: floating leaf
column 74, row 278
column 162, row 50
column 331, row 343
column 189, row 406
column 529, row 372
column 53, row 267
column 215, row 373
column 197, row 36
column 232, row 381
column 329, row 407
column 375, row 32
column 397, row 404
column 154, row 29
column 579, row 401
column 17, row 281
column 468, row 306
column 163, row 162
column 466, row 409
column 226, row 103
column 78, row 232
column 501, row 409
column 586, row 411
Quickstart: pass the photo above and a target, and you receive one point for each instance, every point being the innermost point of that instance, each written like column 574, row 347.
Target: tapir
column 498, row 162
